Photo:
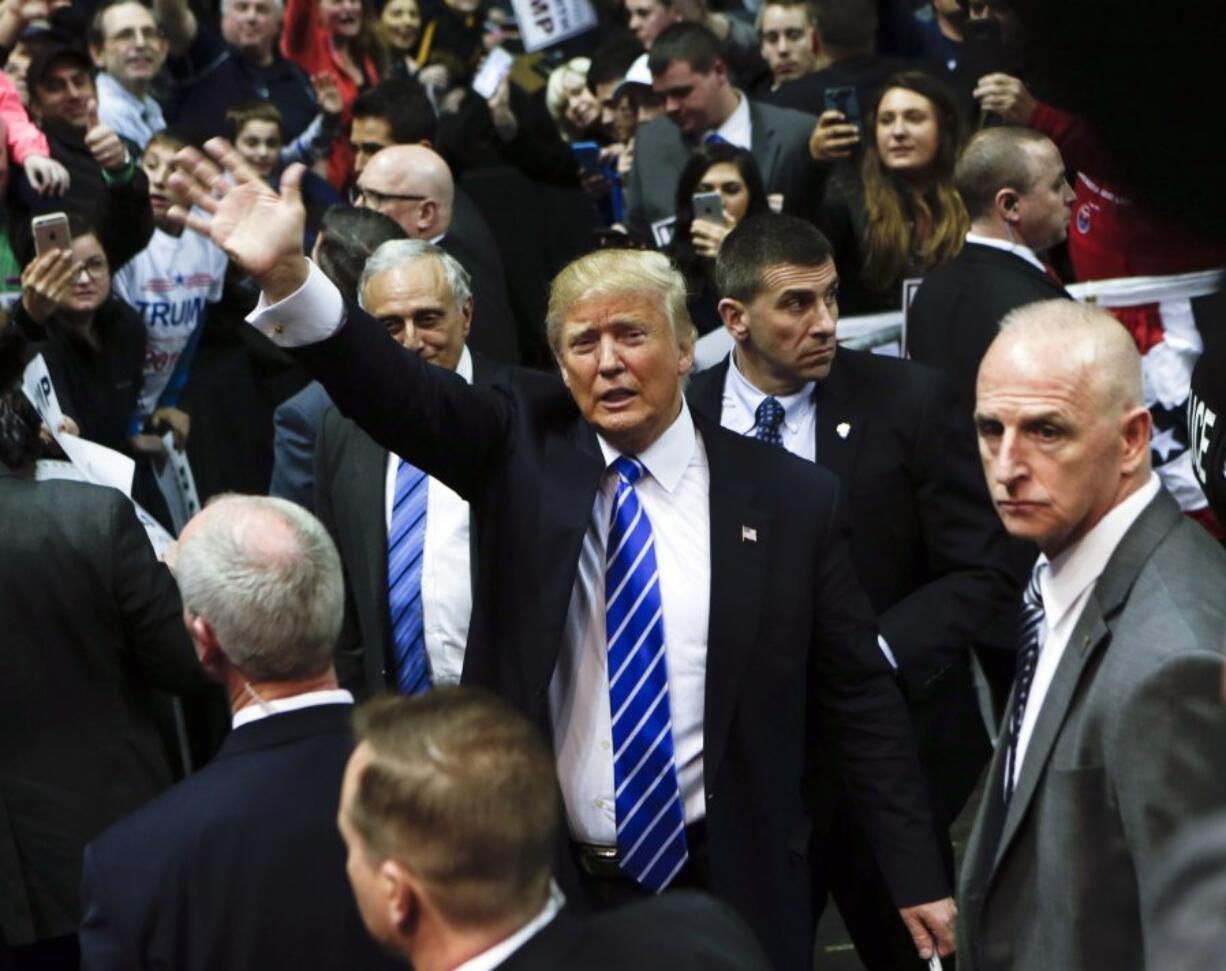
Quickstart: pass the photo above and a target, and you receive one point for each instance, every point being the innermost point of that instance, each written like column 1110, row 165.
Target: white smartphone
column 50, row 232
column 493, row 70
column 709, row 207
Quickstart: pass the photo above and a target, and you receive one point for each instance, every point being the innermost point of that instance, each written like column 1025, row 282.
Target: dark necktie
column 767, row 420
column 406, row 542
column 1030, row 642
column 651, row 844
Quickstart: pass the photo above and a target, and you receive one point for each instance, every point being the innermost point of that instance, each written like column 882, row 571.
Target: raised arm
column 420, row 412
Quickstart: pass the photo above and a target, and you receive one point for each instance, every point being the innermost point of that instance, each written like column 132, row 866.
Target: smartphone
column 709, row 207
column 493, row 71
column 587, row 154
column 50, row 232
column 984, row 50
column 845, row 100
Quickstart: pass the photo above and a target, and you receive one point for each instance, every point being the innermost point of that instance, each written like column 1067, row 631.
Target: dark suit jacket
column 1126, row 751
column 780, row 146
column 926, row 542
column 240, row 866
column 350, row 481
column 956, row 312
column 679, row 931
column 295, row 431
column 791, row 634
column 495, row 331
column 92, row 621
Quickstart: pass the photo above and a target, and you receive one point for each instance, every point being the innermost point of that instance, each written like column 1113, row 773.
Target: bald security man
column 413, row 185
column 1112, row 739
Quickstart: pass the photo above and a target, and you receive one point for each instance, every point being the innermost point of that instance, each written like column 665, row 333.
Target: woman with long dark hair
column 897, row 214
column 733, row 173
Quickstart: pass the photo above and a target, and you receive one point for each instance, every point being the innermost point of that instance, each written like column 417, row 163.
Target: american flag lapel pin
column 749, row 534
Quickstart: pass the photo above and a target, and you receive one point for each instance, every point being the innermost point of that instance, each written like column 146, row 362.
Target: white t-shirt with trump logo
column 170, row 282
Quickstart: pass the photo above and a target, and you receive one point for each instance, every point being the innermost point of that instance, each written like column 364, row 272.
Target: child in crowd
column 171, row 283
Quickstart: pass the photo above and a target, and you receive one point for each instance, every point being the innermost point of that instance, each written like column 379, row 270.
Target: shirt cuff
column 312, row 313
column 885, row 649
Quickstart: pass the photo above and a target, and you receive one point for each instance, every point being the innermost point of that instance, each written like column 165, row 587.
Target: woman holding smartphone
column 729, row 173
column 896, row 214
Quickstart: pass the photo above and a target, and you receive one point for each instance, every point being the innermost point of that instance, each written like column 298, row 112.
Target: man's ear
column 401, row 892
column 1006, row 202
column 734, row 314
column 467, row 312
column 95, row 55
column 1136, row 428
column 204, row 640
column 427, row 215
column 720, row 70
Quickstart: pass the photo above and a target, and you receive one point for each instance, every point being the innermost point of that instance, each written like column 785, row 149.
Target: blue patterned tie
column 651, row 845
column 1030, row 642
column 406, row 542
column 767, row 420
column 715, row 138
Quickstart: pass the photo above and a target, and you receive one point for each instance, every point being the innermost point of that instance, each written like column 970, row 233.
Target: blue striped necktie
column 651, row 845
column 406, row 546
column 1030, row 642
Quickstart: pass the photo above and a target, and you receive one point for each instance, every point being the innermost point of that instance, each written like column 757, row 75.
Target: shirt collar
column 498, row 954
column 1017, row 249
column 667, row 458
column 749, row 397
column 464, row 368
column 737, row 127
column 1073, row 570
column 113, row 89
column 277, row 706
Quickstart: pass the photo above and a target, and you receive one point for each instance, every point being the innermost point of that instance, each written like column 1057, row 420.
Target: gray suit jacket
column 1130, row 745
column 296, row 425
column 780, row 147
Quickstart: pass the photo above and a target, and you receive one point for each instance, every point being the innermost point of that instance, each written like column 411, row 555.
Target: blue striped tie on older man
column 406, row 542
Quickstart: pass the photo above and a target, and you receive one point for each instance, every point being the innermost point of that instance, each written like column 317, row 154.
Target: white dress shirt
column 1017, row 249
column 446, row 575
column 675, row 496
column 500, row 952
column 740, row 409
column 1066, row 584
column 308, row 699
column 136, row 119
column 738, row 127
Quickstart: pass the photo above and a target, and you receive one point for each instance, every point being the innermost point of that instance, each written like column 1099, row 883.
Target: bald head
column 411, row 184
column 265, row 577
column 1063, row 434
column 1088, row 343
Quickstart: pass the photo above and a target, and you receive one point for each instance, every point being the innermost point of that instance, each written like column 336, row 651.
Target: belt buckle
column 599, row 861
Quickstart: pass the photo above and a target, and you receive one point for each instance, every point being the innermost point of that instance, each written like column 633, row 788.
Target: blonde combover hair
column 619, row 272
column 460, row 788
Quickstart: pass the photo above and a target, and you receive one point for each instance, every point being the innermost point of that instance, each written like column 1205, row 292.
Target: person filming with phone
column 719, row 186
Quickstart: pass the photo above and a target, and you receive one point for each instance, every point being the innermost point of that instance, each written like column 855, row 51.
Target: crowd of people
column 507, row 637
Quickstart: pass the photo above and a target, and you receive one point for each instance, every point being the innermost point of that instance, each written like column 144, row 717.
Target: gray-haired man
column 405, row 538
column 240, row 866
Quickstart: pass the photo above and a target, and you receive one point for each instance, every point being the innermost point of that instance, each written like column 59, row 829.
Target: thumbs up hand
column 104, row 145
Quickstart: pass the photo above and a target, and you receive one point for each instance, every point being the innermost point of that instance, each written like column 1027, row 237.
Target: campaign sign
column 543, row 23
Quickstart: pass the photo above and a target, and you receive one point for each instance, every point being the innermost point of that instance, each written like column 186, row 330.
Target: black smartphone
column 587, row 154
column 845, row 100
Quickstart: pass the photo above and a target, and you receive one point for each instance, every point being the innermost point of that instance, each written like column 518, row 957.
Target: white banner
column 543, row 23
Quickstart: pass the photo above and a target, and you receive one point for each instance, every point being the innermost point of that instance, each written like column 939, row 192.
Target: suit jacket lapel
column 1092, row 632
column 841, row 420
column 575, row 466
column 740, row 552
column 764, row 144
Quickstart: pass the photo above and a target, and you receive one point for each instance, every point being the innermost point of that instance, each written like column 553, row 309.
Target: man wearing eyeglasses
column 129, row 47
column 413, row 185
column 380, row 514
